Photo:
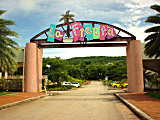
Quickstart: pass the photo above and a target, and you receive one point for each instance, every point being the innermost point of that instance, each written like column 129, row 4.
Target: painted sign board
column 96, row 32
column 75, row 31
column 51, row 34
column 80, row 32
column 88, row 31
column 59, row 35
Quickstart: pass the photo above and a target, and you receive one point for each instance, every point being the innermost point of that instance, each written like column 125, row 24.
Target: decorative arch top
column 83, row 32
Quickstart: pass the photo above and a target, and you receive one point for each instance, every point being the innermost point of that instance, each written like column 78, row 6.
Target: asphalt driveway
column 92, row 102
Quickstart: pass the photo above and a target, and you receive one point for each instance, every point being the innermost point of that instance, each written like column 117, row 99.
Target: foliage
column 117, row 71
column 6, row 93
column 72, row 79
column 154, row 94
column 11, row 84
column 57, row 71
column 61, row 88
column 7, row 46
column 66, row 18
column 152, row 41
column 85, row 68
column 152, row 79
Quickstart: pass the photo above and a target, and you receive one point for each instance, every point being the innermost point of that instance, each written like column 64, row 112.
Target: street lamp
column 46, row 79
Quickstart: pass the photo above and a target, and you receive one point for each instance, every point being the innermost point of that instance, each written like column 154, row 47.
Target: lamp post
column 46, row 79
column 100, row 74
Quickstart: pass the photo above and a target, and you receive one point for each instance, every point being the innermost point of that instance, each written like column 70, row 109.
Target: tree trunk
column 68, row 31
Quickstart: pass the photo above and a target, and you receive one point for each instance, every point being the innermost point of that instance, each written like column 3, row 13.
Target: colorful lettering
column 88, row 31
column 111, row 33
column 103, row 32
column 96, row 32
column 75, row 31
column 51, row 34
column 81, row 34
column 59, row 35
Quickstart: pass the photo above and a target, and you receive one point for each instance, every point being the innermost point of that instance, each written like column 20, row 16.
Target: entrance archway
column 82, row 34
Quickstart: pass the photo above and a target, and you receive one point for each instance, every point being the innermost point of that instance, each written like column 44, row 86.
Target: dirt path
column 92, row 102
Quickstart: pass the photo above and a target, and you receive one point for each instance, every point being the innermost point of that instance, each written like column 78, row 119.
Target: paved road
column 92, row 102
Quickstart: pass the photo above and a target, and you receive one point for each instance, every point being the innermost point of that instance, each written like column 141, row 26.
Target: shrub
column 154, row 94
column 61, row 88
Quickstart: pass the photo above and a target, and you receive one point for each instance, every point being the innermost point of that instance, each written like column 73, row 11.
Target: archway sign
column 82, row 34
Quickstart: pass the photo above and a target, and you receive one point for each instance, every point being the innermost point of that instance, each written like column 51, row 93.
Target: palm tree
column 66, row 18
column 8, row 47
column 152, row 41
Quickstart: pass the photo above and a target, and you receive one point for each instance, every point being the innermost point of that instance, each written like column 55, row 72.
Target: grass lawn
column 6, row 93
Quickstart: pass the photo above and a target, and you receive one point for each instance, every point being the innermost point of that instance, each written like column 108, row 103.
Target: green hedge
column 10, row 84
column 154, row 94
column 60, row 88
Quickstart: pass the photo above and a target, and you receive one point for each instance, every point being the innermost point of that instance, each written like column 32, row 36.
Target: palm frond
column 153, row 29
column 61, row 19
column 156, row 7
column 71, row 15
column 6, row 22
column 67, row 12
column 153, row 19
column 152, row 36
column 7, row 46
column 2, row 11
column 152, row 47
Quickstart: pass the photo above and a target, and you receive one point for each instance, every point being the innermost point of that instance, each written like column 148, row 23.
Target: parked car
column 125, row 85
column 66, row 83
column 116, row 85
column 76, row 84
column 112, row 83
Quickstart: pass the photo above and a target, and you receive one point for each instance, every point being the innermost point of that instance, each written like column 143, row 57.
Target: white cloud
column 18, row 5
column 138, row 32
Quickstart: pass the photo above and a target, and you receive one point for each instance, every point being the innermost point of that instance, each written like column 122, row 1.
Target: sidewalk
column 13, row 99
column 147, row 104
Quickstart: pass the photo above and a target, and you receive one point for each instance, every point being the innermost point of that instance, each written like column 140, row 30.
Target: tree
column 66, row 18
column 58, row 70
column 152, row 46
column 8, row 47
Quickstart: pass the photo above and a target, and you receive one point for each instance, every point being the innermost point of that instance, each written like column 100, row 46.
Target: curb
column 136, row 110
column 22, row 101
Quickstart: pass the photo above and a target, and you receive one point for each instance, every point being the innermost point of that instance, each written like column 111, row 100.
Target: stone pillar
column 135, row 67
column 39, row 68
column 30, row 68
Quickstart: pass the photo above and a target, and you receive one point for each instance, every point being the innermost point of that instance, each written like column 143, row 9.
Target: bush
column 154, row 94
column 61, row 88
column 104, row 82
column 11, row 85
column 123, row 80
column 71, row 79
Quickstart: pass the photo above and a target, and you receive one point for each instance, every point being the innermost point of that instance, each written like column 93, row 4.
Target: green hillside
column 87, row 68
column 95, row 60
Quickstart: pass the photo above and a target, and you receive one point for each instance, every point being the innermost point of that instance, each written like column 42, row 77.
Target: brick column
column 30, row 68
column 135, row 67
column 39, row 68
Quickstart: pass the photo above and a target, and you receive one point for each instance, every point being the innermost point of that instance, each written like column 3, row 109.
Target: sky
column 34, row 16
